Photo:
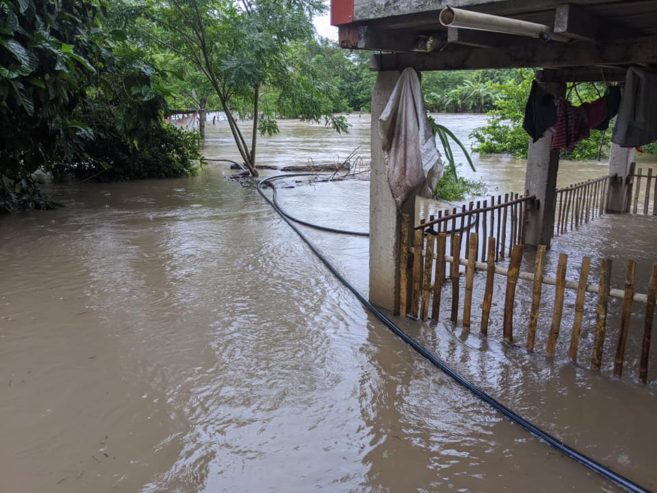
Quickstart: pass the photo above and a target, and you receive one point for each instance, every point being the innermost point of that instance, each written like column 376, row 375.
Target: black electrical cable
column 305, row 223
column 434, row 359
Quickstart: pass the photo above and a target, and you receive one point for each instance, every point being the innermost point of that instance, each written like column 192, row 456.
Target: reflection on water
column 175, row 336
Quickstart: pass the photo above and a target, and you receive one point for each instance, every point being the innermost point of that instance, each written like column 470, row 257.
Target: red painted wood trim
column 342, row 12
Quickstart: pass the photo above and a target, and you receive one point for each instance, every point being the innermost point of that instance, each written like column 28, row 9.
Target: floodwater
column 175, row 335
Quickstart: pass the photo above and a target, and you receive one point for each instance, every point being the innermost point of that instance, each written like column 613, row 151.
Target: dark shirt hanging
column 540, row 112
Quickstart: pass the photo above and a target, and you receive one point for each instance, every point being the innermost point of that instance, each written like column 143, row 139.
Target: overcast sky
column 324, row 27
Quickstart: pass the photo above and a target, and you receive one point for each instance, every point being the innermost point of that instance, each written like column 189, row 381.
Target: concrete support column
column 620, row 161
column 385, row 220
column 541, row 181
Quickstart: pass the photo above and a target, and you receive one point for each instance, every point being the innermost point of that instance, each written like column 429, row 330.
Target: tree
column 241, row 48
column 45, row 48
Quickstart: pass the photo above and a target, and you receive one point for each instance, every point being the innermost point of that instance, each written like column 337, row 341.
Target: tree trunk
column 202, row 115
column 254, row 136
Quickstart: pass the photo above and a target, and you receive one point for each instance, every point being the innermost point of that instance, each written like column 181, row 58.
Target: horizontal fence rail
column 501, row 216
column 430, row 270
column 579, row 204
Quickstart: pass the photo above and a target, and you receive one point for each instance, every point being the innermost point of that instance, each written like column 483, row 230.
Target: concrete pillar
column 385, row 220
column 620, row 161
column 541, row 181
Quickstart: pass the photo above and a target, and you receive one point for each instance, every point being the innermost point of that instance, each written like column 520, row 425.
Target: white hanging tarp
column 412, row 160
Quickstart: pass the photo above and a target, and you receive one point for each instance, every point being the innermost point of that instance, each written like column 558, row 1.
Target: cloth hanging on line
column 409, row 146
column 571, row 127
column 540, row 112
column 636, row 124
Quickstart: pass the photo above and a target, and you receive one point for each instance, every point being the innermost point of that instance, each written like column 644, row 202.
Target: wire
column 434, row 359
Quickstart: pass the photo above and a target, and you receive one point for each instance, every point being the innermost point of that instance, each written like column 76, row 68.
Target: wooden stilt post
column 426, row 277
column 601, row 314
column 509, row 299
column 469, row 280
column 403, row 268
column 558, row 305
column 439, row 275
column 536, row 297
column 456, row 254
column 625, row 318
column 490, row 284
column 579, row 308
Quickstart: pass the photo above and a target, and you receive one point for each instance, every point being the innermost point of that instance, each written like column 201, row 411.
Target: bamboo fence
column 433, row 264
column 579, row 204
column 502, row 217
column 642, row 192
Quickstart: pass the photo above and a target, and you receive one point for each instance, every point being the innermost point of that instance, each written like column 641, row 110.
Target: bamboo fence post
column 536, row 297
column 490, row 284
column 417, row 272
column 512, row 237
column 439, row 275
column 499, row 228
column 509, row 298
column 578, row 204
column 647, row 327
column 403, row 268
column 469, row 281
column 518, row 211
column 579, row 308
column 560, row 215
column 654, row 199
column 568, row 215
column 456, row 250
column 637, row 191
column 426, row 278
column 558, row 304
column 625, row 318
column 492, row 216
column 469, row 224
column 504, row 218
column 629, row 181
column 477, row 226
column 601, row 314
column 646, row 199
column 484, row 227
column 523, row 222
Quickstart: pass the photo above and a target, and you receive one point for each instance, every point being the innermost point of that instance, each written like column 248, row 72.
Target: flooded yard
column 175, row 335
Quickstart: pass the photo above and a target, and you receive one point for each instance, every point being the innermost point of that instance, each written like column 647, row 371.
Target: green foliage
column 45, row 48
column 453, row 187
column 503, row 133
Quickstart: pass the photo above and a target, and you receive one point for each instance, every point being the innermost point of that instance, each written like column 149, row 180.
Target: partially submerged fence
column 579, row 204
column 502, row 217
column 433, row 265
column 642, row 185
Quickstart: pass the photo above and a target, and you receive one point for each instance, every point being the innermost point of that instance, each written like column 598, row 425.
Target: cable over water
column 434, row 359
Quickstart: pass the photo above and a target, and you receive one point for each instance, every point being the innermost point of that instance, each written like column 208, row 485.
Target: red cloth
column 596, row 112
column 571, row 127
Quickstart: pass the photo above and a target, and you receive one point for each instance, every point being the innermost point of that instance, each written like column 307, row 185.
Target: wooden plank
column 426, row 277
column 637, row 191
column 646, row 199
column 469, row 280
column 576, row 22
column 537, row 289
column 558, row 305
column 647, row 326
column 583, row 74
column 638, row 50
column 456, row 251
column 404, row 263
column 601, row 314
column 579, row 308
column 625, row 318
column 439, row 275
column 490, row 284
column 510, row 296
column 417, row 272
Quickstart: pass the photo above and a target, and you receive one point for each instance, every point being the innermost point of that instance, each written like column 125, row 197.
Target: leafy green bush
column 453, row 187
column 503, row 133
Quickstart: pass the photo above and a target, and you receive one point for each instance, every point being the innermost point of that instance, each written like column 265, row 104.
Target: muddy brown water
column 174, row 335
